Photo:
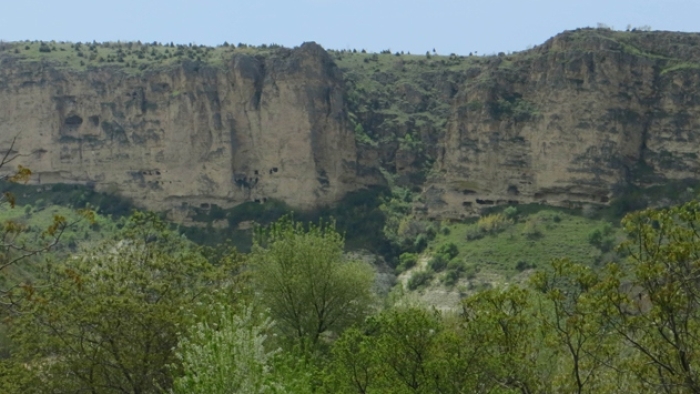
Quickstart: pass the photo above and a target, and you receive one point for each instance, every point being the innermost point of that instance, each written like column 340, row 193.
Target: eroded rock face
column 569, row 122
column 258, row 128
column 565, row 123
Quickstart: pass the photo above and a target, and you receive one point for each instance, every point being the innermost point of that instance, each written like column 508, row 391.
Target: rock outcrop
column 569, row 122
column 256, row 128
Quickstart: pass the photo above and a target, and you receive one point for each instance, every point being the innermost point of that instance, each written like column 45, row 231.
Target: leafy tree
column 571, row 320
column 227, row 355
column 107, row 321
column 504, row 327
column 15, row 244
column 393, row 354
column 302, row 278
column 655, row 298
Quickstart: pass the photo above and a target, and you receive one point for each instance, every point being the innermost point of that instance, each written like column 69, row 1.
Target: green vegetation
column 112, row 315
column 150, row 311
column 130, row 57
column 501, row 245
column 301, row 277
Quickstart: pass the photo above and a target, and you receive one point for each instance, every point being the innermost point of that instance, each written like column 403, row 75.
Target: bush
column 448, row 249
column 438, row 262
column 406, row 261
column 493, row 224
column 532, row 228
column 470, row 272
column 523, row 265
column 511, row 212
column 473, row 233
column 451, row 278
column 421, row 243
column 419, row 279
column 456, row 265
column 431, row 231
column 601, row 238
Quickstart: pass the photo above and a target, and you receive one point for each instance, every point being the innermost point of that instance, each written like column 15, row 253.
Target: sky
column 416, row 26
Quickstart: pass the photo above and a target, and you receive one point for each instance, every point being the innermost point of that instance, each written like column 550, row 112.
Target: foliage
column 107, row 320
column 449, row 249
column 532, row 228
column 302, row 278
column 659, row 314
column 227, row 355
column 438, row 262
column 420, row 278
column 406, row 261
column 489, row 224
column 392, row 355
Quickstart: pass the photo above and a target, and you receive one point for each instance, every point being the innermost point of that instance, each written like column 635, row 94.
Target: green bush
column 406, row 261
column 456, row 265
column 510, row 212
column 421, row 243
column 448, row 249
column 438, row 262
column 523, row 265
column 532, row 228
column 419, row 279
column 493, row 224
column 451, row 278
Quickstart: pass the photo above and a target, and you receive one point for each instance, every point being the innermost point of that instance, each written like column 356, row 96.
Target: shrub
column 523, row 265
column 451, row 278
column 406, row 261
column 438, row 262
column 456, row 265
column 532, row 228
column 510, row 212
column 421, row 243
column 448, row 249
column 470, row 272
column 431, row 231
column 493, row 224
column 601, row 238
column 419, row 279
column 473, row 233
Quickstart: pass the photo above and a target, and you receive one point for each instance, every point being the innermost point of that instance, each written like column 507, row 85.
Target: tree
column 107, row 321
column 655, row 297
column 510, row 351
column 572, row 311
column 301, row 276
column 227, row 355
column 393, row 353
column 15, row 245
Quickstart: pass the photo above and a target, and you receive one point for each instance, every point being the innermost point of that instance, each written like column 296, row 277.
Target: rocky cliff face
column 258, row 127
column 568, row 122
column 571, row 121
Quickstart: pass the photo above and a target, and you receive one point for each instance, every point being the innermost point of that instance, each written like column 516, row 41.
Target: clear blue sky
column 459, row 26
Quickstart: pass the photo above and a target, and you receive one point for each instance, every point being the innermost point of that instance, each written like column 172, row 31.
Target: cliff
column 258, row 126
column 573, row 121
column 569, row 122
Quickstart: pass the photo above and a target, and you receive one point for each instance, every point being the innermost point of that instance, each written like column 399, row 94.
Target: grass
column 558, row 234
column 680, row 67
column 130, row 57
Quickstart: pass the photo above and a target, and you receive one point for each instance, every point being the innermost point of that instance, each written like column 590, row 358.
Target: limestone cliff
column 571, row 121
column 568, row 122
column 256, row 127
